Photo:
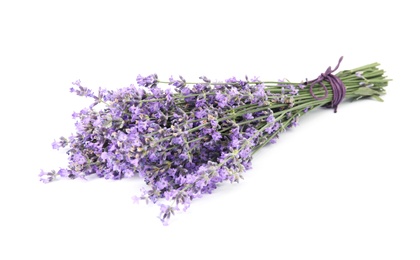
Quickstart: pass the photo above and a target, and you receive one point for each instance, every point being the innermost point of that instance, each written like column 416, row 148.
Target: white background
column 339, row 186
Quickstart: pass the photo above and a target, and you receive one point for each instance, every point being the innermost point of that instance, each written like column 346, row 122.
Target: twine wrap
column 337, row 86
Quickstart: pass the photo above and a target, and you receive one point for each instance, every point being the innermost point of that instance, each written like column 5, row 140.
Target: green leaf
column 364, row 91
column 376, row 97
column 107, row 124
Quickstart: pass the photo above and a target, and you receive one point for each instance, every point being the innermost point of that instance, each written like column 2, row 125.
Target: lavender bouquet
column 184, row 138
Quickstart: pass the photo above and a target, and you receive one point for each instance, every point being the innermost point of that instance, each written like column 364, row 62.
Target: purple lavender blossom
column 177, row 83
column 248, row 116
column 270, row 118
column 55, row 145
column 136, row 199
column 216, row 136
column 293, row 91
column 63, row 173
column 221, row 100
column 47, row 177
column 148, row 81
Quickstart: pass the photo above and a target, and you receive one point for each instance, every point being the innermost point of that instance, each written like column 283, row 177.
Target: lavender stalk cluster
column 183, row 140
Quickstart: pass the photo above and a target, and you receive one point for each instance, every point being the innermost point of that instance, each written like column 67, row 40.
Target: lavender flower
column 55, row 145
column 183, row 142
column 148, row 81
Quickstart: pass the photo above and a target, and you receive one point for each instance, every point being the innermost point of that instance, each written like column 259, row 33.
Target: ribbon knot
column 337, row 86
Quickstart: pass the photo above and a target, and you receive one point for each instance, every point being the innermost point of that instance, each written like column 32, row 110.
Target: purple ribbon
column 337, row 86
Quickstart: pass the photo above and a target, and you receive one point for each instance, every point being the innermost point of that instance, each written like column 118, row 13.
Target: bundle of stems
column 186, row 139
